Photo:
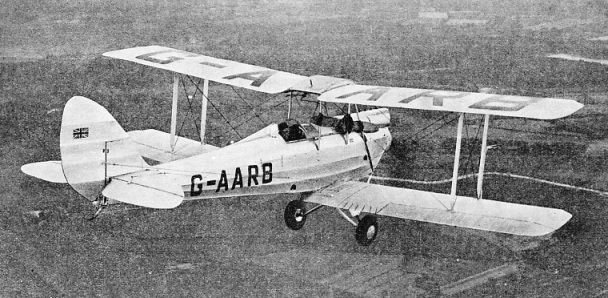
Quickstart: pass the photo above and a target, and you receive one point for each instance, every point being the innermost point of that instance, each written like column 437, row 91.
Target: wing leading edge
column 431, row 207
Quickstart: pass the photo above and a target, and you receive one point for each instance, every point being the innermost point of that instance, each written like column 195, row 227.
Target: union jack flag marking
column 81, row 133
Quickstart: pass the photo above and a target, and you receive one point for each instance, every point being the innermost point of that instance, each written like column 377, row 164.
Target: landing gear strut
column 367, row 227
column 101, row 202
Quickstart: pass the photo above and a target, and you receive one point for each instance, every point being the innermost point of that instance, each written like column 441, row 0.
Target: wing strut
column 176, row 80
column 482, row 159
column 204, row 110
column 457, row 159
column 174, row 110
column 369, row 156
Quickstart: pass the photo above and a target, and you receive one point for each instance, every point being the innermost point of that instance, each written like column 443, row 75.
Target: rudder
column 94, row 147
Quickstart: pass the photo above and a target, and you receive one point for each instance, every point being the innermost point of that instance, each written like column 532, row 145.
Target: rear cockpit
column 320, row 125
column 292, row 130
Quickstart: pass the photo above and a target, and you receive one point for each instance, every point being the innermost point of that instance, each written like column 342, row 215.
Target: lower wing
column 467, row 212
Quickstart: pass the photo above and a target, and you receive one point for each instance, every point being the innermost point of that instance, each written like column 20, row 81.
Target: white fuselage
column 267, row 164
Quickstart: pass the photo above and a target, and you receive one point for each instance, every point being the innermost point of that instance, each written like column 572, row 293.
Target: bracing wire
column 247, row 120
column 416, row 141
column 470, row 148
column 426, row 127
column 191, row 111
column 218, row 111
column 190, row 103
column 252, row 109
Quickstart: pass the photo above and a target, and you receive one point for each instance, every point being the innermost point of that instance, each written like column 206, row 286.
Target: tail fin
column 94, row 147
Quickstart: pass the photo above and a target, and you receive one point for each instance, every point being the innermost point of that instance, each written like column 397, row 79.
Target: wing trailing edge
column 468, row 212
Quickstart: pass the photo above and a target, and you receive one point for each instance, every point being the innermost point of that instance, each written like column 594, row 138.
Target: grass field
column 240, row 247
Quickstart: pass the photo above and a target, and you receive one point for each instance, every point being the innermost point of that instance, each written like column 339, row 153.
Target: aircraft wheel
column 295, row 215
column 367, row 229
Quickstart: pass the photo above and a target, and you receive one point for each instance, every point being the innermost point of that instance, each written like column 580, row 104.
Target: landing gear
column 295, row 215
column 367, row 229
column 100, row 203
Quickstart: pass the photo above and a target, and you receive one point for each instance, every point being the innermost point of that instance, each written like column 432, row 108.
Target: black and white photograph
column 313, row 148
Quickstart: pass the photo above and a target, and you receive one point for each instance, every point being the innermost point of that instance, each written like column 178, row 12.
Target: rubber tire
column 363, row 228
column 295, row 217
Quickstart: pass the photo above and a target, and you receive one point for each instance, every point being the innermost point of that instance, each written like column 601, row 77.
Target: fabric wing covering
column 487, row 215
column 453, row 101
column 218, row 70
column 338, row 90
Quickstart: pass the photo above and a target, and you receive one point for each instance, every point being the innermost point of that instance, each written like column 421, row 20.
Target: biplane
column 324, row 162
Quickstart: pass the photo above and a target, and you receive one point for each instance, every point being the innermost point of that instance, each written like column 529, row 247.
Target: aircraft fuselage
column 269, row 164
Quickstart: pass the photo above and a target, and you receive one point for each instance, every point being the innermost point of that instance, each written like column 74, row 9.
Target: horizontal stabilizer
column 50, row 171
column 151, row 190
column 487, row 215
column 453, row 101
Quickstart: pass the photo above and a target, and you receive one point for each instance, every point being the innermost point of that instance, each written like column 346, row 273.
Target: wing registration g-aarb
column 214, row 69
column 344, row 91
column 453, row 101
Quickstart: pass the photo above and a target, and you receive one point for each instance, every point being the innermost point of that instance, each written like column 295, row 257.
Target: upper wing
column 453, row 101
column 344, row 91
column 431, row 207
column 218, row 70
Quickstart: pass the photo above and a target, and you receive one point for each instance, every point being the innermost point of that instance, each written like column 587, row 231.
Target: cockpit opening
column 291, row 130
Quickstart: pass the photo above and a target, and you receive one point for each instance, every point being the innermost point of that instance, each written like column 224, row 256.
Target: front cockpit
column 321, row 125
column 291, row 130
